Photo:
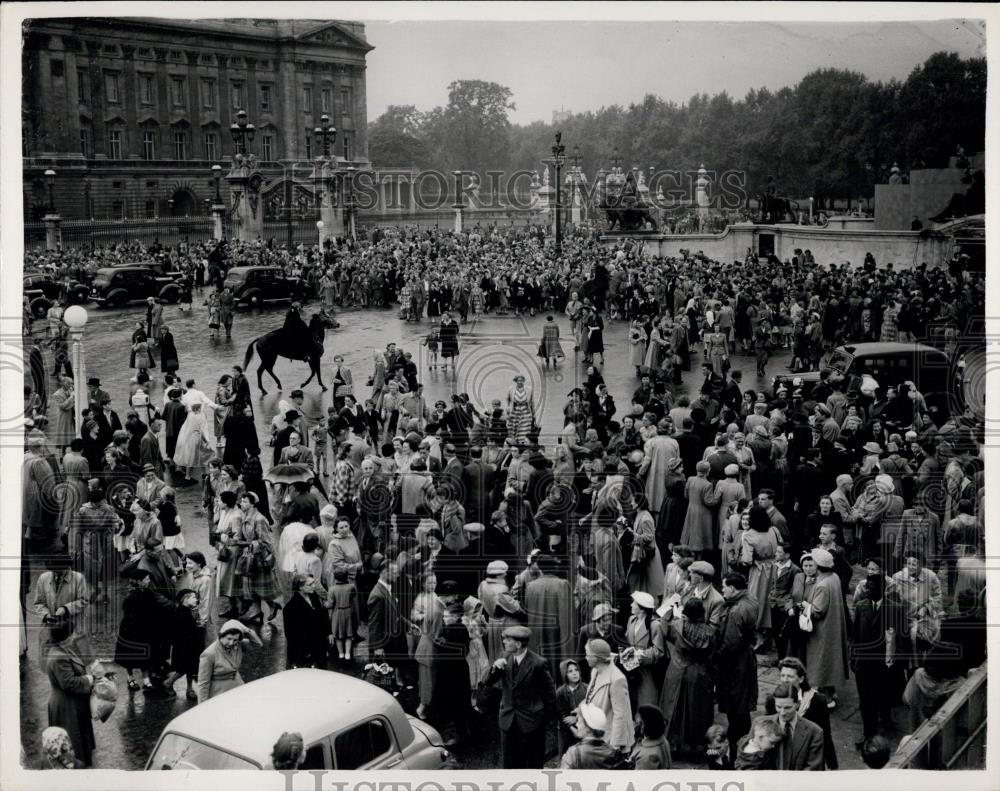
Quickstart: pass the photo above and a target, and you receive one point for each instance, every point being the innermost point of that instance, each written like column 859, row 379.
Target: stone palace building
column 132, row 113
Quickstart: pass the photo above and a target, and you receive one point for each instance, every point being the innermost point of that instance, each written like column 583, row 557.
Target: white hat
column 822, row 557
column 592, row 716
column 644, row 600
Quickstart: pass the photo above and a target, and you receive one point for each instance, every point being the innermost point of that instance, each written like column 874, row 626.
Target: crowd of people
column 612, row 579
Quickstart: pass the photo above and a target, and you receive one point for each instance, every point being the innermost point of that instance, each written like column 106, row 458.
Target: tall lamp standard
column 326, row 135
column 557, row 160
column 75, row 317
column 50, row 179
column 242, row 132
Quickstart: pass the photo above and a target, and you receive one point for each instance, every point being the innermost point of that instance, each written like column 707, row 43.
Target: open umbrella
column 289, row 473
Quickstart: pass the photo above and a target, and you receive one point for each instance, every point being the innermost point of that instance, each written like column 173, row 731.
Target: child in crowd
column 570, row 694
column 186, row 644
column 717, row 752
column 756, row 750
column 343, row 613
column 170, row 524
column 318, row 435
column 431, row 342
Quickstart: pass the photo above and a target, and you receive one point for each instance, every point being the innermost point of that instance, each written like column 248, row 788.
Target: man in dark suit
column 528, row 701
column 108, row 422
column 149, row 446
column 801, row 747
column 174, row 415
column 477, row 478
column 453, row 471
column 873, row 655
column 809, row 484
column 691, row 446
column 780, row 598
column 386, row 627
column 602, row 409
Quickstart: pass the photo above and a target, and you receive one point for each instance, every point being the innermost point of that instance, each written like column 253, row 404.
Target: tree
column 473, row 130
column 396, row 138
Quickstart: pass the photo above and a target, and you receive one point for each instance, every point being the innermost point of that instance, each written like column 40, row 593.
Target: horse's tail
column 247, row 357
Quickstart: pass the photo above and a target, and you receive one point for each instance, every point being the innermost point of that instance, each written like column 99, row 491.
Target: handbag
column 805, row 618
column 264, row 558
column 225, row 553
column 244, row 563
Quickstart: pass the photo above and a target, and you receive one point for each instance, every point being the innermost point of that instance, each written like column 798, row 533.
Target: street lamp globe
column 217, row 169
column 75, row 317
column 50, row 174
column 319, row 225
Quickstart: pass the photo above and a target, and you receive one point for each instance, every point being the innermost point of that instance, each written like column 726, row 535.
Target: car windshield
column 180, row 752
column 841, row 361
column 101, row 280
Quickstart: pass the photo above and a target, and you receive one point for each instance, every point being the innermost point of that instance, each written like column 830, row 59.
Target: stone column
column 287, row 98
column 218, row 211
column 245, row 183
column 459, row 216
column 53, row 232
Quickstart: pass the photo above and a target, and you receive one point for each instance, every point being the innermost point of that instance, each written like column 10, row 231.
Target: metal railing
column 955, row 735
column 168, row 231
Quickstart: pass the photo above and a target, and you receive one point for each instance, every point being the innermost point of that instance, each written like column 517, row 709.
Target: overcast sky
column 587, row 65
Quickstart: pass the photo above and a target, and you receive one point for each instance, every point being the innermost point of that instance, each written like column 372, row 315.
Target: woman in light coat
column 827, row 658
column 428, row 614
column 608, row 690
column 699, row 522
column 219, row 664
column 644, row 636
column 645, row 571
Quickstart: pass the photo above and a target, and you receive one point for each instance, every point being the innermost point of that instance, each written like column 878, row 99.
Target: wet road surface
column 492, row 350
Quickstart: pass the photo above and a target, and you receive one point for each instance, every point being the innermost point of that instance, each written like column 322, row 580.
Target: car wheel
column 80, row 296
column 117, row 299
column 253, row 299
column 170, row 295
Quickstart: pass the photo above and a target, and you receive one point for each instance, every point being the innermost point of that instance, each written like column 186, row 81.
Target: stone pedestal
column 218, row 212
column 324, row 175
column 459, row 217
column 53, row 231
column 245, row 184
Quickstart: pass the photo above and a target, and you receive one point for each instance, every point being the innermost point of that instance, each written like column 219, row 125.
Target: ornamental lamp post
column 242, row 132
column 75, row 317
column 50, row 179
column 326, row 134
column 349, row 203
column 557, row 161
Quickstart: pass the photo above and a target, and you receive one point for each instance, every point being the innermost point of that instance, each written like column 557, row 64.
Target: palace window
column 178, row 94
column 208, row 93
column 180, row 145
column 85, row 143
column 326, row 100
column 346, row 103
column 146, row 88
column 347, row 148
column 82, row 87
column 266, row 147
column 151, row 208
column 112, row 87
column 239, row 95
column 307, row 99
column 309, row 143
column 149, row 144
column 265, row 98
column 118, row 210
column 211, row 145
column 115, row 144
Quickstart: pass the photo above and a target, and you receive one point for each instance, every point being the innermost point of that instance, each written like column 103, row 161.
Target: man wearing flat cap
column 527, row 703
column 702, row 573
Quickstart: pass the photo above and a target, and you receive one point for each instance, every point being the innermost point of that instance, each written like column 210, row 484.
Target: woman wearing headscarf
column 219, row 664
column 169, row 362
column 827, row 658
column 521, row 416
column 58, row 750
column 686, row 699
column 699, row 521
column 307, row 625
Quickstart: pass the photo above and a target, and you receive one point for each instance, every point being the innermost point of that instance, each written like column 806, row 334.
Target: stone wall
column 927, row 194
column 905, row 249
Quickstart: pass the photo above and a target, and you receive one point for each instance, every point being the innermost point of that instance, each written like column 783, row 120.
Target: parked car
column 42, row 290
column 886, row 365
column 254, row 285
column 119, row 285
column 160, row 266
column 346, row 724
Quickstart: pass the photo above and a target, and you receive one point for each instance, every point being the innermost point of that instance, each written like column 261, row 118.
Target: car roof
column 886, row 347
column 122, row 268
column 242, row 269
column 249, row 719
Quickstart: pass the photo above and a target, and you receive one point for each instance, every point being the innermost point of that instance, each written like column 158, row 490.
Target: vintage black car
column 119, row 285
column 255, row 285
column 885, row 364
column 42, row 290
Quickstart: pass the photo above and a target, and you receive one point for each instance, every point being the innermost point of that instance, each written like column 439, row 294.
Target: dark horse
column 275, row 344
